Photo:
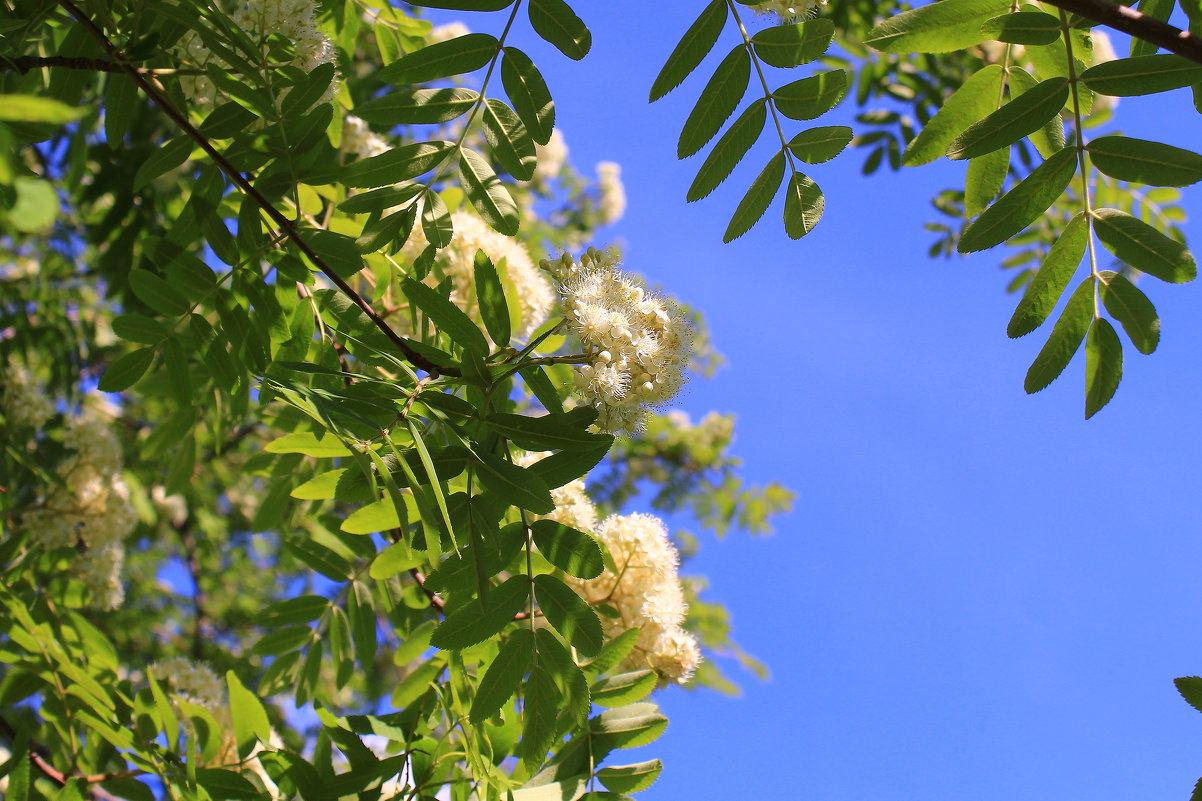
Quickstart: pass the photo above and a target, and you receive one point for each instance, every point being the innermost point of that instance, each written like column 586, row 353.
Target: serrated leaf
column 170, row 155
column 936, row 28
column 473, row 623
column 487, row 194
column 309, row 444
column 396, row 558
column 509, row 139
column 282, row 640
column 811, row 97
column 692, row 48
column 456, row 56
column 1159, row 9
column 418, row 106
column 1022, row 116
column 517, row 485
column 557, row 23
column 1065, row 339
column 1103, row 366
column 624, row 688
column 1136, row 243
column 126, row 370
column 490, row 294
column 157, row 293
column 1190, row 688
column 377, row 516
column 503, row 676
column 788, row 46
column 1045, row 289
column 816, row 145
column 630, row 778
column 560, row 468
column 803, row 206
column 975, row 98
column 549, row 432
column 1130, row 306
column 569, row 614
column 1142, row 75
column 1145, row 162
column 572, row 551
column 437, row 225
column 1023, row 27
column 528, row 92
column 321, row 487
column 1016, row 209
column 729, row 150
column 758, row 198
column 541, row 713
column 449, row 318
column 398, row 164
column 319, row 558
column 629, row 726
column 983, row 180
column 718, row 100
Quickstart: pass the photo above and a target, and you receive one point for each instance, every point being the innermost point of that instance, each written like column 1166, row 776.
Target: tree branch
column 1137, row 24
column 24, row 64
column 155, row 92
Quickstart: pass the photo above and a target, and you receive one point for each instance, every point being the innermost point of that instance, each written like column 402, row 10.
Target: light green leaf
column 1136, row 243
column 1050, row 137
column 1130, row 306
column 753, row 205
column 696, row 43
column 983, row 180
column 528, row 92
column 729, row 150
column 975, row 98
column 503, row 676
column 557, row 23
column 1021, row 205
column 717, row 102
column 629, row 726
column 574, row 552
column 31, row 108
column 624, row 688
column 1066, row 337
column 1103, row 366
column 487, row 194
column 509, row 140
column 788, row 46
column 321, row 487
column 630, row 778
column 126, row 370
column 811, row 97
column 36, row 206
column 1145, row 162
column 1045, row 289
column 436, row 219
column 320, row 558
column 456, row 56
column 248, row 715
column 139, row 328
column 936, row 28
column 309, row 444
column 1142, row 75
column 1023, row 27
column 803, row 206
column 1022, row 116
column 816, row 145
column 377, row 516
column 413, row 106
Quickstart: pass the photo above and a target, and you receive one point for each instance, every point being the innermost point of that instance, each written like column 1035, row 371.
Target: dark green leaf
column 696, row 43
column 549, row 432
column 1022, row 116
column 1103, row 366
column 983, row 180
column 718, row 101
column 487, row 194
column 1136, row 243
column 509, row 140
column 569, row 614
column 170, row 155
column 301, row 609
column 624, row 688
column 811, row 97
column 503, row 676
column 308, row 92
column 1045, row 289
column 1190, row 688
column 540, row 384
column 817, row 145
column 1145, row 162
column 803, row 206
column 456, row 56
column 339, row 252
column 281, row 641
column 380, row 199
column 560, row 468
column 572, row 551
column 436, row 220
column 398, row 164
column 225, row 784
column 936, row 28
column 320, row 558
column 1021, row 205
column 758, row 198
column 157, row 293
column 140, row 329
column 1023, row 27
column 1066, row 337
column 729, row 150
column 1142, row 75
column 557, row 23
column 449, row 318
column 788, row 46
column 126, row 370
column 528, row 92
column 519, row 486
column 473, row 622
column 541, row 713
column 975, row 98
column 413, row 106
column 630, row 778
column 1130, row 306
column 491, row 297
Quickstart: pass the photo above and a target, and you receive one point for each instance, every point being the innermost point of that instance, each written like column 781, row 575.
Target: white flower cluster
column 90, row 509
column 23, row 399
column 359, row 139
column 295, row 20
column 646, row 593
column 195, row 682
column 789, row 10
column 551, row 157
column 510, row 257
column 451, row 30
column 639, row 343
column 613, row 195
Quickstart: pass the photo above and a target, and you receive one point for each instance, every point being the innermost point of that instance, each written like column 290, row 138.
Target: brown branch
column 57, row 776
column 24, row 64
column 1137, row 24
column 202, row 628
column 155, row 92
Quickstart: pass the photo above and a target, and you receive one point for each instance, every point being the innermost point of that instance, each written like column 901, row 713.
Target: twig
column 57, row 776
column 202, row 628
column 24, row 64
column 1137, row 24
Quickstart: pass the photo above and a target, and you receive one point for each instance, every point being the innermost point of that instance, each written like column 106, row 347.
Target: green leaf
column 541, row 714
column 157, row 293
column 456, row 56
column 1159, row 9
column 718, row 101
column 1050, row 137
column 398, row 164
column 1022, row 116
column 975, row 98
column 1023, row 27
column 1045, row 289
column 729, row 150
column 528, row 92
column 624, row 688
column 560, row 468
column 936, row 28
column 31, row 108
column 491, row 297
column 487, row 194
column 465, row 5
column 758, row 198
column 816, row 145
column 519, row 486
column 983, row 180
column 319, row 558
column 574, row 552
column 170, row 155
column 36, row 206
column 803, row 206
column 538, row 382
column 557, row 23
column 509, row 139
column 1142, row 75
column 630, row 778
column 1136, row 243
column 140, row 329
column 788, row 46
column 811, row 97
column 1190, row 688
column 282, row 640
column 301, row 609
column 503, row 676
column 396, row 558
column 1066, row 337
column 126, row 370
column 1130, row 306
column 321, row 487
column 340, row 253
column 415, row 106
column 248, row 715
column 1145, row 162
column 380, row 199
column 377, row 516
column 1103, row 366
column 569, row 614
column 692, row 48
column 473, row 622
column 309, row 444
column 1021, row 205
column 629, row 726
column 436, row 219
column 549, row 432
column 449, row 318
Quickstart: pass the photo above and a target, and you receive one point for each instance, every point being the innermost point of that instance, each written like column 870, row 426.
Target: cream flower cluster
column 90, row 509
column 295, row 20
column 195, row 682
column 551, row 157
column 457, row 260
column 612, row 202
column 357, row 138
column 789, row 10
column 646, row 593
column 638, row 343
column 451, row 30
column 23, row 399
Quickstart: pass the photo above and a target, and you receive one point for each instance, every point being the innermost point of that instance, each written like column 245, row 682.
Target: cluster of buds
column 789, row 10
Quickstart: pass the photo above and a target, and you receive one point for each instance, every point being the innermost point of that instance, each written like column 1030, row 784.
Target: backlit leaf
column 1065, row 339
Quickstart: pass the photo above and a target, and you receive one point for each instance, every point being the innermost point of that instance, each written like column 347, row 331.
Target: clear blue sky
column 979, row 594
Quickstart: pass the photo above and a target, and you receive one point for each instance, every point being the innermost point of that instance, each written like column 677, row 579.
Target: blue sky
column 978, row 594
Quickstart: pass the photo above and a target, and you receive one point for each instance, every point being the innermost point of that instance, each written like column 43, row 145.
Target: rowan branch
column 153, row 90
column 24, row 64
column 1137, row 24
